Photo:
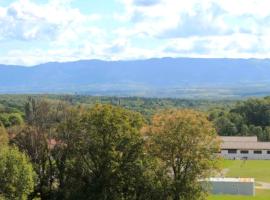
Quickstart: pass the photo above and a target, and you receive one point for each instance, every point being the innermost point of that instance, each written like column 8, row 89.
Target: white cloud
column 64, row 31
column 146, row 28
column 26, row 20
column 171, row 18
column 208, row 28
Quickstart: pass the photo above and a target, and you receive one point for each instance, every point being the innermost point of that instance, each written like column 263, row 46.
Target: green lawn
column 260, row 195
column 258, row 169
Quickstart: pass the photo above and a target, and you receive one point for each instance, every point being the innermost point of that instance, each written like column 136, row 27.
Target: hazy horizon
column 133, row 60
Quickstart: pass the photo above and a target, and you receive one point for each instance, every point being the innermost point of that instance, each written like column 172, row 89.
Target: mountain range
column 162, row 77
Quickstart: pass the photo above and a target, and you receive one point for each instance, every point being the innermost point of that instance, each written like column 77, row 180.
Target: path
column 263, row 185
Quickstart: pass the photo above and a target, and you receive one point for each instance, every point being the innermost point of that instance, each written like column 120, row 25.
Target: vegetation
column 3, row 136
column 251, row 117
column 185, row 142
column 80, row 147
column 107, row 150
column 230, row 117
column 101, row 152
column 146, row 106
column 16, row 174
column 260, row 195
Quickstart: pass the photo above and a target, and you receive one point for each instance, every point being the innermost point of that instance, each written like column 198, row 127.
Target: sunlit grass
column 258, row 169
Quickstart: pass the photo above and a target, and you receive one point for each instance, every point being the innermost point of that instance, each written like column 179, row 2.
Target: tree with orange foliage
column 186, row 143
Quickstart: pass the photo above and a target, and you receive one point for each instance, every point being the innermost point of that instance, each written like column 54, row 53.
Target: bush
column 16, row 174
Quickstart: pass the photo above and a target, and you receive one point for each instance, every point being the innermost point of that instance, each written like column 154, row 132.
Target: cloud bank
column 56, row 30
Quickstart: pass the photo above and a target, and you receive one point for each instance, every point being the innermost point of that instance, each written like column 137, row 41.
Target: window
column 244, row 152
column 232, row 151
column 268, row 152
column 257, row 152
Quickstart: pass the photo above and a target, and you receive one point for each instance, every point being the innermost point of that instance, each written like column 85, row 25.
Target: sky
column 39, row 31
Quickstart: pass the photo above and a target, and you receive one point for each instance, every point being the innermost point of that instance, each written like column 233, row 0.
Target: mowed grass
column 258, row 169
column 260, row 195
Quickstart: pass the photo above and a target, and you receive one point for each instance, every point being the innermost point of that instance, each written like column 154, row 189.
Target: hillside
column 154, row 77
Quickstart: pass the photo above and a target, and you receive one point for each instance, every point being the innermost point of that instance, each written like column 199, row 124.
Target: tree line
column 106, row 152
column 246, row 118
column 230, row 117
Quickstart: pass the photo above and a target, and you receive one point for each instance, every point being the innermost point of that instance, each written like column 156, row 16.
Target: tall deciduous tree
column 109, row 154
column 186, row 142
column 36, row 138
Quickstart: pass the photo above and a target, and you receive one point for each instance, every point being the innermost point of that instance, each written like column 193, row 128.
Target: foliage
column 186, row 142
column 108, row 149
column 85, row 147
column 16, row 174
column 251, row 117
column 36, row 138
column 3, row 136
column 80, row 153
column 146, row 106
column 11, row 119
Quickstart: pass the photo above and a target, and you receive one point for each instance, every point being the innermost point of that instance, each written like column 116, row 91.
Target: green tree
column 255, row 111
column 64, row 153
column 186, row 142
column 3, row 136
column 11, row 119
column 15, row 119
column 4, row 119
column 37, row 139
column 244, row 130
column 16, row 174
column 109, row 155
column 225, row 127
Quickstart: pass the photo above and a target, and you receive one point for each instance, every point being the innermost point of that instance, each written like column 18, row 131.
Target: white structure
column 244, row 148
column 230, row 186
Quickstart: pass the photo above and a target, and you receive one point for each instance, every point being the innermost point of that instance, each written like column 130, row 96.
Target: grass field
column 258, row 169
column 260, row 195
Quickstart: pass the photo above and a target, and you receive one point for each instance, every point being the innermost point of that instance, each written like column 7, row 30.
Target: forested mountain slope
column 142, row 77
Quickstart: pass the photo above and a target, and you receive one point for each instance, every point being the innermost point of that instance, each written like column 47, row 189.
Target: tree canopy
column 83, row 147
column 16, row 174
column 186, row 142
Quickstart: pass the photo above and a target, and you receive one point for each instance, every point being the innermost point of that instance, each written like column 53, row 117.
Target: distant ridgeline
column 164, row 77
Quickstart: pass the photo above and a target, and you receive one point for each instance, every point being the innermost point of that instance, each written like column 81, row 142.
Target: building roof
column 243, row 143
column 239, row 138
column 246, row 145
column 242, row 180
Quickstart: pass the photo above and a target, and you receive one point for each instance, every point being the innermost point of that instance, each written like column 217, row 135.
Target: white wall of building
column 249, row 156
column 232, row 186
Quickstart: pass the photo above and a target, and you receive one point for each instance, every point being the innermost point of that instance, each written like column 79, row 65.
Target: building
column 244, row 148
column 230, row 186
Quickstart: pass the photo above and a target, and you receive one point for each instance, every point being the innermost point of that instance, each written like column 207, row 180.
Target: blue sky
column 38, row 31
